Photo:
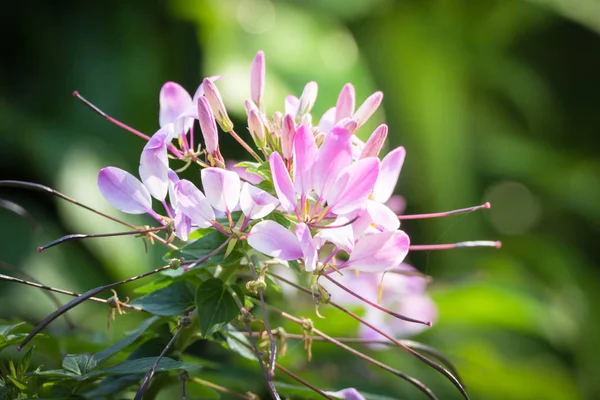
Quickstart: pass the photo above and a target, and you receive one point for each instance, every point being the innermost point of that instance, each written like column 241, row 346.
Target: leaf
column 142, row 365
column 132, row 337
column 7, row 329
column 24, row 364
column 279, row 218
column 79, row 364
column 172, row 300
column 11, row 339
column 215, row 305
column 232, row 342
column 203, row 246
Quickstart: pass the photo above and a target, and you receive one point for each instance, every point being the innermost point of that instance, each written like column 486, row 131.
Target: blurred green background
column 494, row 100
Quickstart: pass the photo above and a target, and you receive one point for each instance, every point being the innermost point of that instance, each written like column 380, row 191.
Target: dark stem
column 268, row 326
column 34, row 283
column 377, row 306
column 269, row 381
column 150, row 373
column 418, row 384
column 77, row 236
column 61, row 291
column 303, row 382
column 42, row 188
column 100, row 289
column 421, row 357
column 21, row 212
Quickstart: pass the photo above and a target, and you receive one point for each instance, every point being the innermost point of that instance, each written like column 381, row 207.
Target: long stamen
column 476, row 243
column 377, row 306
column 42, row 188
column 121, row 124
column 446, row 213
column 77, row 236
column 315, row 226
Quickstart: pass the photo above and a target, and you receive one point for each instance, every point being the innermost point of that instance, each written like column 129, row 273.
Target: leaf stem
column 220, row 388
column 150, row 373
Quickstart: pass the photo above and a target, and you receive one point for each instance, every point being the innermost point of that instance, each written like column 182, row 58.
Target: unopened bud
column 308, row 98
column 344, row 108
column 375, row 142
column 257, row 129
column 368, row 108
column 288, row 131
column 216, row 104
column 208, row 126
column 257, row 78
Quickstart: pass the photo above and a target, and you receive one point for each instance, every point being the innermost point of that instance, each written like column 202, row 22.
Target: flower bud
column 257, row 129
column 368, row 108
column 208, row 126
column 288, row 131
column 216, row 104
column 375, row 142
column 344, row 108
column 308, row 98
column 257, row 78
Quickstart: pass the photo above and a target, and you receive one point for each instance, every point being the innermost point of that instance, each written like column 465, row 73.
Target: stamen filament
column 377, row 306
column 476, row 243
column 121, row 124
column 245, row 146
column 77, row 236
column 444, row 214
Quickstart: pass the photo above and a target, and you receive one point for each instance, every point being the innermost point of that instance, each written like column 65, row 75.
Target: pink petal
column 173, row 179
column 174, row 100
column 342, row 237
column 344, row 108
column 334, row 155
column 353, row 186
column 288, row 132
column 382, row 217
column 154, row 165
column 379, row 252
column 257, row 78
column 348, row 394
column 192, row 202
column 396, row 203
column 305, row 152
column 308, row 247
column 274, row 240
column 291, row 105
column 183, row 226
column 368, row 108
column 375, row 142
column 388, row 175
column 256, row 203
column 327, row 121
column 124, row 191
column 222, row 188
column 243, row 174
column 283, row 183
column 208, row 126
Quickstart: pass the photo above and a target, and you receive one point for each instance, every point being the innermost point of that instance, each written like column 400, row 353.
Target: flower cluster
column 314, row 194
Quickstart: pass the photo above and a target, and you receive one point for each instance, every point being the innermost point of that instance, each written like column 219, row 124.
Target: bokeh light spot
column 256, row 16
column 338, row 50
column 515, row 210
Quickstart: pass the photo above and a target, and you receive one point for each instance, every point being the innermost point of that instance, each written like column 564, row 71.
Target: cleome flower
column 312, row 194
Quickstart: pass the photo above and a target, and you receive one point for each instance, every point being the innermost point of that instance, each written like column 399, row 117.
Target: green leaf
column 11, row 340
column 279, row 218
column 171, row 300
column 24, row 364
column 7, row 329
column 234, row 340
column 79, row 364
column 216, row 306
column 132, row 337
column 142, row 365
column 202, row 247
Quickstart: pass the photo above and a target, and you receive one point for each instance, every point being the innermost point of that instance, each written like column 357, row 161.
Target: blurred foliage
column 494, row 100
